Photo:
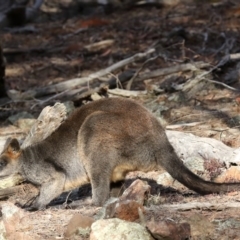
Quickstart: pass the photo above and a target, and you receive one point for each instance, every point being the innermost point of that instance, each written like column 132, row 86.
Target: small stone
column 169, row 230
column 12, row 219
column 136, row 191
column 128, row 210
column 128, row 205
column 11, row 216
column 201, row 227
column 78, row 223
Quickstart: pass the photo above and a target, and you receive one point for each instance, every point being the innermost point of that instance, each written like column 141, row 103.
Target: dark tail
column 169, row 160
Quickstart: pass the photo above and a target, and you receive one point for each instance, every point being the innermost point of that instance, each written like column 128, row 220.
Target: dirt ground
column 198, row 31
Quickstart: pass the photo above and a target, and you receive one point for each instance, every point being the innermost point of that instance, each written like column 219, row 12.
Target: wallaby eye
column 3, row 163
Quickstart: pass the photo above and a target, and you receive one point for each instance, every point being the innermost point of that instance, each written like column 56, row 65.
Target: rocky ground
column 203, row 101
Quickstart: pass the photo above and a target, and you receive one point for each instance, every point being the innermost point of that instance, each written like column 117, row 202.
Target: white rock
column 118, row 230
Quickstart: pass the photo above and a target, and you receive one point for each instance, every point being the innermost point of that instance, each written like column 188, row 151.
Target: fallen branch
column 174, row 69
column 125, row 93
column 198, row 205
column 138, row 71
column 8, row 51
column 76, row 82
column 84, row 92
column 189, row 146
column 70, row 84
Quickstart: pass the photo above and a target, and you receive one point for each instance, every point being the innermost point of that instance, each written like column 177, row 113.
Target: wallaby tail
column 169, row 160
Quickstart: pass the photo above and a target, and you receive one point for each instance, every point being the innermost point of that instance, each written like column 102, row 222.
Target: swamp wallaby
column 99, row 143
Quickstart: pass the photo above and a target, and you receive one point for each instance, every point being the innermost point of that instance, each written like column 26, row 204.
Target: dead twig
column 99, row 45
column 221, row 63
column 138, row 71
column 66, row 201
column 220, row 83
column 74, row 33
column 235, row 56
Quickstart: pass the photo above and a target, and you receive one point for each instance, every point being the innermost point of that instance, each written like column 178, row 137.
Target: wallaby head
column 9, row 158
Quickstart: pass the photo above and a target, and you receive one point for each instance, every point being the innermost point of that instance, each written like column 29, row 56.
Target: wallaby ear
column 13, row 148
column 14, row 144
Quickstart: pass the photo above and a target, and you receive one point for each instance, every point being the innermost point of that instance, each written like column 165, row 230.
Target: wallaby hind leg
column 100, row 181
column 99, row 172
column 48, row 191
column 100, row 188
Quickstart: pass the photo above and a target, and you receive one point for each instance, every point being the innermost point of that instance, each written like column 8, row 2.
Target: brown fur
column 99, row 143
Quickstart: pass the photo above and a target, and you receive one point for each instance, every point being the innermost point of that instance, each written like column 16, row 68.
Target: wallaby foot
column 48, row 191
column 26, row 205
column 100, row 190
column 99, row 196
